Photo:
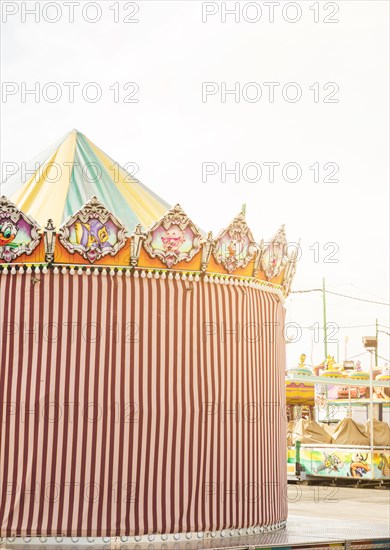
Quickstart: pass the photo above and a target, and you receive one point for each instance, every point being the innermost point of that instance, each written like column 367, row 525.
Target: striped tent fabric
column 133, row 406
column 69, row 173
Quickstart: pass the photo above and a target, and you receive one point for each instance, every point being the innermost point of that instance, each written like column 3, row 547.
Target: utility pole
column 325, row 343
column 376, row 347
column 324, row 315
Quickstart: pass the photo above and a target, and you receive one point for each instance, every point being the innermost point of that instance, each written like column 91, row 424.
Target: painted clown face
column 172, row 239
column 8, row 232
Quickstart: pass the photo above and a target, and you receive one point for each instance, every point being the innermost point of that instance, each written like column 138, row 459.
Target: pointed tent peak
column 59, row 181
column 74, row 133
column 78, row 134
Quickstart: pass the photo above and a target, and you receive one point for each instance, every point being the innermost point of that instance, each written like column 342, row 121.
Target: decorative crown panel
column 93, row 232
column 274, row 256
column 235, row 246
column 289, row 272
column 174, row 238
column 18, row 231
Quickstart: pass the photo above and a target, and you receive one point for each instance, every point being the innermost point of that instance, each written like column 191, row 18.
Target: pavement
column 340, row 503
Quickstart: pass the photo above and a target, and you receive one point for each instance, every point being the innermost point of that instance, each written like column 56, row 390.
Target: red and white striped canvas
column 133, row 406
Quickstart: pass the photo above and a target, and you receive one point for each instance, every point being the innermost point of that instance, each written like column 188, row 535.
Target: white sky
column 170, row 132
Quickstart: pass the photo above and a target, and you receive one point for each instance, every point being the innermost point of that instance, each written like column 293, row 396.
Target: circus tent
column 113, row 298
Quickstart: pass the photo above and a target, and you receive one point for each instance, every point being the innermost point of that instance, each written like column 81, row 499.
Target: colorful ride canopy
column 72, row 171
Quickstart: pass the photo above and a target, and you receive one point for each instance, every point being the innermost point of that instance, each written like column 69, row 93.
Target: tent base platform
column 301, row 532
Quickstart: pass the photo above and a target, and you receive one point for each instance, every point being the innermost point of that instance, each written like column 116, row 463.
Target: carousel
column 142, row 373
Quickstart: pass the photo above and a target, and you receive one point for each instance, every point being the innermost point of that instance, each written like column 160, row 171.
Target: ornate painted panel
column 274, row 257
column 174, row 238
column 93, row 232
column 351, row 463
column 235, row 246
column 18, row 232
column 290, row 270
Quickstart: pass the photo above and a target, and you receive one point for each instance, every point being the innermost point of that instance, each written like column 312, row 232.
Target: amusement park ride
column 346, row 449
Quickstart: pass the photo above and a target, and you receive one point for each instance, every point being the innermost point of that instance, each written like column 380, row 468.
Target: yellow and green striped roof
column 70, row 173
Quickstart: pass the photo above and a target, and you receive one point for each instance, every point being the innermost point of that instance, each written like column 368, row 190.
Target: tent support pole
column 371, row 420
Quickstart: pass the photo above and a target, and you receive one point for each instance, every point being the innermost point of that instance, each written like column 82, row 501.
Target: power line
column 363, row 290
column 357, row 355
column 361, row 326
column 355, row 298
column 354, row 326
column 338, row 294
column 304, row 291
column 338, row 326
column 380, row 356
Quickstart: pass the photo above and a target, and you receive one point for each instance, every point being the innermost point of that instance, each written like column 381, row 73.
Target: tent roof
column 73, row 170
